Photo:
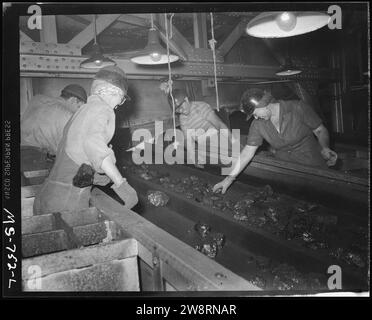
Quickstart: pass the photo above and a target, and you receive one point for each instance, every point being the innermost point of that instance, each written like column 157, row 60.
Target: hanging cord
column 95, row 29
column 212, row 44
column 170, row 24
column 170, row 77
column 152, row 22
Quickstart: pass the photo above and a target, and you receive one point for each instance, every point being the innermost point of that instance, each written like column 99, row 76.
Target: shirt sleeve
column 95, row 144
column 309, row 116
column 205, row 110
column 254, row 136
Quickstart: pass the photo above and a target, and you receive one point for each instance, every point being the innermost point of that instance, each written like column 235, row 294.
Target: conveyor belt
column 246, row 245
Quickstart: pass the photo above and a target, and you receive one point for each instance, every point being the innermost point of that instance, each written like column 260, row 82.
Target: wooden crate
column 104, row 267
column 77, row 251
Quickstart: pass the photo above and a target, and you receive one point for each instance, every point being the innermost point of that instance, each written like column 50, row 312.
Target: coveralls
column 296, row 141
column 41, row 131
column 85, row 140
column 43, row 122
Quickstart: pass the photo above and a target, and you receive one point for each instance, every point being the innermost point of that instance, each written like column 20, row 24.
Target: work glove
column 100, row 179
column 329, row 156
column 126, row 193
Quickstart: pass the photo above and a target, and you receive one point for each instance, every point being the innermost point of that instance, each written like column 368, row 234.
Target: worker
column 288, row 126
column 84, row 157
column 45, row 117
column 196, row 115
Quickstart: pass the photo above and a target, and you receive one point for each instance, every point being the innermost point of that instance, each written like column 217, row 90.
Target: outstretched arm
column 216, row 121
column 329, row 155
column 323, row 137
column 245, row 157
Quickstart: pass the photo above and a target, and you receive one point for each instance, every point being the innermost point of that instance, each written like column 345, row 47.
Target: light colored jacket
column 43, row 121
column 92, row 127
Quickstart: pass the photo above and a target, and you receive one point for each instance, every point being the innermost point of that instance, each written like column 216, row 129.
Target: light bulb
column 98, row 62
column 155, row 56
column 286, row 21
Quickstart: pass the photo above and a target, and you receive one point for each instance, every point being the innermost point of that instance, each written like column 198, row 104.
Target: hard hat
column 76, row 91
column 179, row 96
column 254, row 98
column 115, row 76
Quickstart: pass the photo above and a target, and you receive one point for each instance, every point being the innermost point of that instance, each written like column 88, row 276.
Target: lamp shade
column 97, row 59
column 288, row 69
column 286, row 24
column 153, row 53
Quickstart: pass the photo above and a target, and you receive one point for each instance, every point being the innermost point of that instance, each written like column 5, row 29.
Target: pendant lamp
column 286, row 24
column 288, row 69
column 97, row 59
column 153, row 53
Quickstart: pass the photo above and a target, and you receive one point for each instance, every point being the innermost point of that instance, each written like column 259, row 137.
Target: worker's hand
column 100, row 179
column 126, row 193
column 223, row 185
column 329, row 156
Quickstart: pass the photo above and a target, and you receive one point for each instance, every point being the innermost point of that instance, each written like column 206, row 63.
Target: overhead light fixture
column 286, row 24
column 153, row 53
column 288, row 69
column 97, row 59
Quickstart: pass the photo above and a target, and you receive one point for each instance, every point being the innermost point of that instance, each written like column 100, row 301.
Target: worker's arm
column 102, row 157
column 329, row 155
column 321, row 133
column 216, row 121
column 219, row 124
column 121, row 187
column 245, row 157
column 109, row 168
column 313, row 121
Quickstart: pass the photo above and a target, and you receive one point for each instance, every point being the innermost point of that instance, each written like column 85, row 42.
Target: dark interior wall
column 250, row 50
column 53, row 86
column 148, row 101
column 228, row 94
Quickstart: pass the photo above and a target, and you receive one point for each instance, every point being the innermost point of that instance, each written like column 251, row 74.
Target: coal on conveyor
column 157, row 198
column 307, row 224
column 209, row 243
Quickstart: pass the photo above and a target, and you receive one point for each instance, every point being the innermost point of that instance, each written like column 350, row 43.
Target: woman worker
column 83, row 157
column 288, row 126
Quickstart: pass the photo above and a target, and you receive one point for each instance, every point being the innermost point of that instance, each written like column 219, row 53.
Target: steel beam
column 200, row 30
column 63, row 66
column 177, row 37
column 78, row 19
column 48, row 33
column 58, row 49
column 204, row 55
column 24, row 37
column 85, row 36
column 135, row 21
column 233, row 37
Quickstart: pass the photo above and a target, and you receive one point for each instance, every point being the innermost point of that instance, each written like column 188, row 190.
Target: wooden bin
column 110, row 248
